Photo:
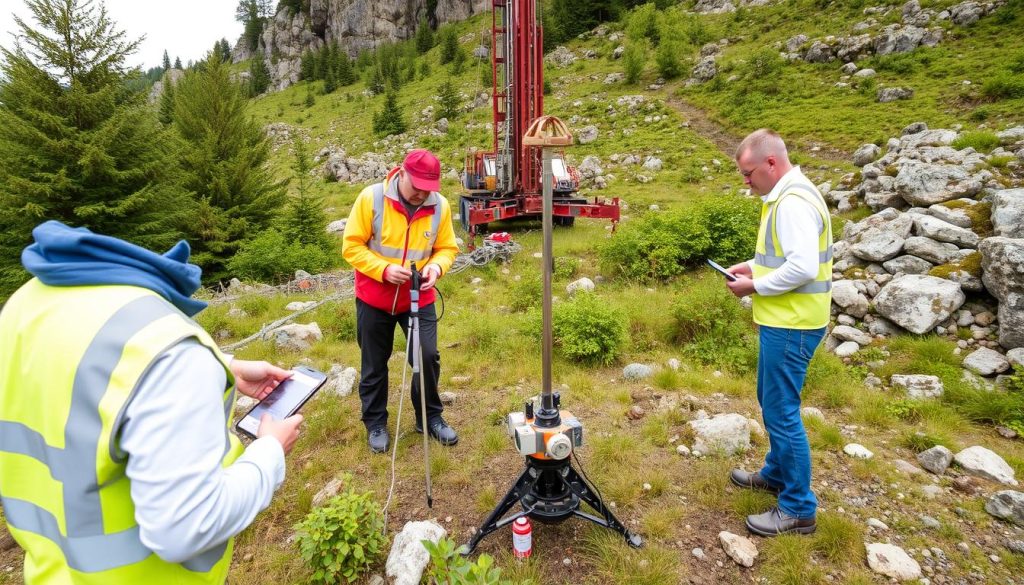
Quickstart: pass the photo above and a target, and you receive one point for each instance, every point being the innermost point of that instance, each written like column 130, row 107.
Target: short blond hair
column 761, row 144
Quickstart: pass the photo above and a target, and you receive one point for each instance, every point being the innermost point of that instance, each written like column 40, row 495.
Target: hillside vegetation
column 664, row 308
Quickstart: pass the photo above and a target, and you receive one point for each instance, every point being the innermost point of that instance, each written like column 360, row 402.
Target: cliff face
column 354, row 24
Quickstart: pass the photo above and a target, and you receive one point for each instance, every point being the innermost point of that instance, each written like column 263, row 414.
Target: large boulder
column 930, row 250
column 942, row 231
column 561, row 56
column 919, row 302
column 981, row 462
column 1002, row 264
column 1007, row 505
column 923, row 184
column 1008, row 213
column 295, row 337
column 986, row 362
column 877, row 245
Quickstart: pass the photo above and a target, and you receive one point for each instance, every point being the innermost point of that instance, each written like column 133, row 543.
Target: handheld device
column 719, row 268
column 285, row 400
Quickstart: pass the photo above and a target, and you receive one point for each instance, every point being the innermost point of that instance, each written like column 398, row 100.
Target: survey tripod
column 416, row 350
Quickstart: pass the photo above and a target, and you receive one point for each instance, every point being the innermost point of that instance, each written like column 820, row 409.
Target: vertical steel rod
column 547, row 400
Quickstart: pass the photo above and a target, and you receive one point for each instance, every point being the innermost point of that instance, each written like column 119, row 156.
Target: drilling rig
column 505, row 182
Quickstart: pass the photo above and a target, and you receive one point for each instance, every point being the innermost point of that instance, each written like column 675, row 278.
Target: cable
column 398, row 423
column 593, row 486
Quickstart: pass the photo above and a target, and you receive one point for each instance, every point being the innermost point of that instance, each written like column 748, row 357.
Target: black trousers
column 375, row 331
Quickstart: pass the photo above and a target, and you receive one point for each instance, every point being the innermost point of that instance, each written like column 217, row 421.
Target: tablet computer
column 285, row 400
column 718, row 267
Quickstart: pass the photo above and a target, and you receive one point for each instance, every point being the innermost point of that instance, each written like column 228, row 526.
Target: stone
column 337, row 226
column 981, row 462
column 705, row 70
column 295, row 337
column 327, row 492
column 925, row 184
column 866, row 154
column 851, row 300
column 812, row 412
column 740, row 549
column 408, row 557
column 1007, row 505
column 846, row 333
column 340, row 380
column 683, row 450
column 954, row 215
column 583, row 284
column 561, row 57
column 1002, row 264
column 893, row 562
column 299, row 305
column 907, row 264
column 936, row 459
column 941, row 231
column 986, row 362
column 917, row 302
column 857, row 450
column 1008, row 213
column 930, row 250
column 918, row 385
column 877, row 524
column 846, row 349
column 587, row 134
column 877, row 245
column 637, row 371
column 884, row 327
column 892, row 94
column 725, row 434
column 1016, row 357
column 906, row 467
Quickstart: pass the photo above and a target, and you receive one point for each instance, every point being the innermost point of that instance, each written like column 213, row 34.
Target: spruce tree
column 225, row 50
column 259, row 75
column 424, row 36
column 78, row 143
column 167, row 61
column 344, row 72
column 224, row 162
column 389, row 120
column 177, row 62
column 166, row 110
column 304, row 220
column 306, row 66
column 376, row 81
column 330, row 82
column 449, row 44
column 447, row 101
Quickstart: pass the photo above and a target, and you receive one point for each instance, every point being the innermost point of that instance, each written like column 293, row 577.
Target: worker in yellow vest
column 394, row 223
column 117, row 464
column 790, row 279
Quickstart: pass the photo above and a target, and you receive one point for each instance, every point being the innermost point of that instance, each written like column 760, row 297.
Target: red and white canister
column 522, row 537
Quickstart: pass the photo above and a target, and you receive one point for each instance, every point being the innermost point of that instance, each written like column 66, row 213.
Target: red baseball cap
column 424, row 169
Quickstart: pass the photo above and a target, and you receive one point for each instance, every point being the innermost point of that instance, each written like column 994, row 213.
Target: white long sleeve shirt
column 798, row 225
column 174, row 434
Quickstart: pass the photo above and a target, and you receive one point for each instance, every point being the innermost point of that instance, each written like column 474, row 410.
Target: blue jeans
column 781, row 369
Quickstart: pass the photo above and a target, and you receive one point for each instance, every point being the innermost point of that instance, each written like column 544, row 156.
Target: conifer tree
column 376, row 81
column 259, row 75
column 424, row 36
column 225, row 50
column 224, row 164
column 344, row 71
column 330, row 82
column 449, row 44
column 177, row 62
column 167, row 61
column 389, row 120
column 447, row 101
column 307, row 66
column 304, row 220
column 166, row 109
column 78, row 142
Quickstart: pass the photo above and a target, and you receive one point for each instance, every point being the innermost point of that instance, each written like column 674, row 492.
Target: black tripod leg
column 520, row 488
column 579, row 487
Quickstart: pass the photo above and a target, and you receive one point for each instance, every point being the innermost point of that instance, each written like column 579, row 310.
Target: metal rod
column 547, row 400
column 417, row 370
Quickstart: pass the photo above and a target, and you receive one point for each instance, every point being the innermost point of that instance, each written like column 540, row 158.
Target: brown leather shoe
column 775, row 522
column 748, row 480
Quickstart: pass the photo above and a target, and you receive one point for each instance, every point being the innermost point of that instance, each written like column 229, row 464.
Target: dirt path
column 726, row 141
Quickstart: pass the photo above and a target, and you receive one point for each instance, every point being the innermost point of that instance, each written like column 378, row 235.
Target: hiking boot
column 748, row 480
column 775, row 522
column 379, row 440
column 441, row 431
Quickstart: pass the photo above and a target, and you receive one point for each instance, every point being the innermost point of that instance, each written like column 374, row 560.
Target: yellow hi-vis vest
column 807, row 306
column 70, row 361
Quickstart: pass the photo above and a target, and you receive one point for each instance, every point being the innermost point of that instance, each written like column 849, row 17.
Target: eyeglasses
column 746, row 174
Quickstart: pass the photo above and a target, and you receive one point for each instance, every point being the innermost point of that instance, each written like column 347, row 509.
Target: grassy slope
column 689, row 501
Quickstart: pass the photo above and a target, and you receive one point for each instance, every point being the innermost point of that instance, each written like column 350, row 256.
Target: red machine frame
column 517, row 78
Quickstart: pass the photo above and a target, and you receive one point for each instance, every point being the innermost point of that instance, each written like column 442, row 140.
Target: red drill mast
column 506, row 182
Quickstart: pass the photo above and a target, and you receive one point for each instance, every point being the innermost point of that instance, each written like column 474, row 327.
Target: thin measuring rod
column 547, row 399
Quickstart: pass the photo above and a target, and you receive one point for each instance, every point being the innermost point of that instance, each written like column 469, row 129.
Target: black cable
column 592, row 486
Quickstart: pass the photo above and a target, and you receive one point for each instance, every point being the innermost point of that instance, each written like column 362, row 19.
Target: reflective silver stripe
column 204, row 561
column 88, row 554
column 773, row 261
column 378, row 217
column 83, row 514
column 376, row 237
column 818, row 286
column 85, row 547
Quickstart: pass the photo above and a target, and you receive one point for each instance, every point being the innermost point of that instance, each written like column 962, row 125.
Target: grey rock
column 893, row 562
column 583, row 284
column 884, row 327
column 794, row 43
column 819, row 52
column 1007, row 505
column 930, row 250
column 982, row 462
column 1008, row 213
column 936, row 459
column 956, row 216
column 724, row 434
column 926, row 184
column 847, row 348
column 408, row 558
column 587, row 134
column 907, row 265
column 1002, row 263
column 337, row 226
column 739, row 548
column 986, row 362
column 1016, row 357
column 340, row 380
column 561, row 57
column 705, row 70
column 966, row 13
column 295, row 337
column 866, row 154
column 877, row 245
column 936, row 229
column 918, row 385
column 918, row 302
column 892, row 94
column 637, row 371
column 847, row 333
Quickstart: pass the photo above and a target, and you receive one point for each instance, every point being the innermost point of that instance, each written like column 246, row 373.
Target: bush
column 525, row 294
column 660, row 246
column 667, row 60
column 269, row 258
column 565, row 267
column 633, row 60
column 342, row 538
column 588, row 330
column 1004, row 86
column 713, row 328
column 980, row 141
column 451, row 568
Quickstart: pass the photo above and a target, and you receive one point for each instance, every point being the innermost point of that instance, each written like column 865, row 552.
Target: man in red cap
column 393, row 224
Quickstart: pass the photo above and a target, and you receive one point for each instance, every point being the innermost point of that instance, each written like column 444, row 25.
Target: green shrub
column 343, row 538
column 713, row 328
column 662, row 245
column 667, row 60
column 588, row 330
column 269, row 257
column 1004, row 86
column 633, row 59
column 449, row 567
column 566, row 267
column 980, row 141
column 525, row 294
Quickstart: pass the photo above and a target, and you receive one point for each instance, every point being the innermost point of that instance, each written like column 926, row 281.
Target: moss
column 980, row 214
column 853, row 273
column 970, row 264
column 892, row 170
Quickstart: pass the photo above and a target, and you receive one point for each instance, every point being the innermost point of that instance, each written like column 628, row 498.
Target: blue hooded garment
column 65, row 256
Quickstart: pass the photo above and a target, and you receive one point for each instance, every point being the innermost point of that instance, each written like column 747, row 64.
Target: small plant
column 566, row 267
column 980, row 141
column 343, row 538
column 449, row 567
column 588, row 330
column 1004, row 86
column 713, row 328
